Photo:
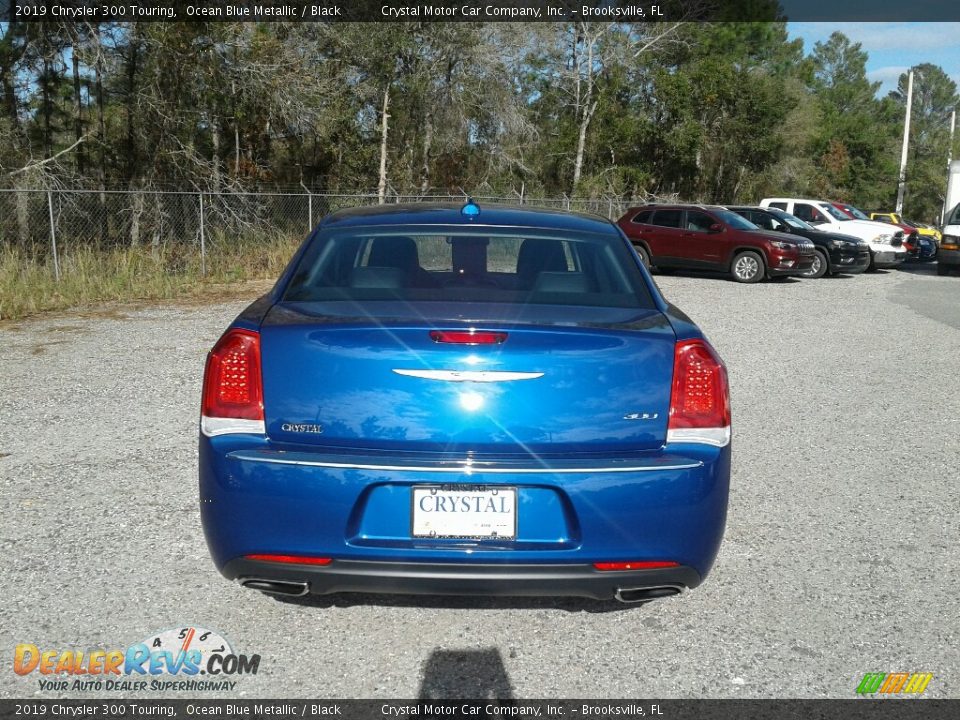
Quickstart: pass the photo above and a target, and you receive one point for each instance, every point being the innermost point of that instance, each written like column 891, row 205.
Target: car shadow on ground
column 717, row 276
column 478, row 674
column 918, row 268
column 458, row 602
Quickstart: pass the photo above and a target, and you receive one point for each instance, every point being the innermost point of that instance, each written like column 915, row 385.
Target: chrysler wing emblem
column 469, row 375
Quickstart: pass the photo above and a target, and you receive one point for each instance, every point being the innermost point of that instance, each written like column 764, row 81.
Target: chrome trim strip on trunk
column 469, row 375
column 467, row 467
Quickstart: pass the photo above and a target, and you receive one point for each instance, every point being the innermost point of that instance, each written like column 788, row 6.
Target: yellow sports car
column 928, row 230
column 909, row 226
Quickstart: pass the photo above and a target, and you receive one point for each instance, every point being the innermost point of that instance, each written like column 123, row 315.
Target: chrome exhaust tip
column 631, row 596
column 288, row 588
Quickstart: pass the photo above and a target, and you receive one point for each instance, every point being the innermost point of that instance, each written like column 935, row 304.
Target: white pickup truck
column 886, row 250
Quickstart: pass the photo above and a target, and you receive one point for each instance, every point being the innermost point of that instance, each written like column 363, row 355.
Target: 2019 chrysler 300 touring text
column 439, row 399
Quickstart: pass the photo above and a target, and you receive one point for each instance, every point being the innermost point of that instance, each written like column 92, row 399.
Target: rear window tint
column 465, row 264
column 643, row 216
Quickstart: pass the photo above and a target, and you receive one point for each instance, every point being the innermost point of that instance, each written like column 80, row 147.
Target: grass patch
column 171, row 271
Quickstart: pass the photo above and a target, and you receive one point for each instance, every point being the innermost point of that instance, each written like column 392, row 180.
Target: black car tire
column 819, row 268
column 943, row 269
column 747, row 267
column 644, row 255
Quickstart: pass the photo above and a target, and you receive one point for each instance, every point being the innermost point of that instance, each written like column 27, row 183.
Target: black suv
column 836, row 253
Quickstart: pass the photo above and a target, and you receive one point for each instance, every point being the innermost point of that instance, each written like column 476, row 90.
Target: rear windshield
column 448, row 264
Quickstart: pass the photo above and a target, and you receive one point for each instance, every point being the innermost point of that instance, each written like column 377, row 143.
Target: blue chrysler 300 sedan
column 465, row 400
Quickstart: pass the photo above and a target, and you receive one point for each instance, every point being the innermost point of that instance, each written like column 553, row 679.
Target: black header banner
column 482, row 709
column 478, row 10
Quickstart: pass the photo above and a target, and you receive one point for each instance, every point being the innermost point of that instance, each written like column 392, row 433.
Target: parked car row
column 922, row 241
column 885, row 243
column 833, row 253
column 708, row 237
column 780, row 237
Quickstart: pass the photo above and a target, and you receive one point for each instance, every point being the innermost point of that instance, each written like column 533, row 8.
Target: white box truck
column 953, row 189
column 948, row 258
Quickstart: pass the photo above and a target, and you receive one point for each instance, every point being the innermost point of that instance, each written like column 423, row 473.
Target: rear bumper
column 666, row 506
column 461, row 578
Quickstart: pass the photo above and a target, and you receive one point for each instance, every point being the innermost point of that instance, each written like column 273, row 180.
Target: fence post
column 309, row 212
column 53, row 238
column 610, row 208
column 203, row 242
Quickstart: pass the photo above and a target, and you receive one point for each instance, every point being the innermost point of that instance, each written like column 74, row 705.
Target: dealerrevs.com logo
column 899, row 683
column 185, row 659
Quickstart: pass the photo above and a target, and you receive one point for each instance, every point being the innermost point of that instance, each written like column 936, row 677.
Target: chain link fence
column 43, row 225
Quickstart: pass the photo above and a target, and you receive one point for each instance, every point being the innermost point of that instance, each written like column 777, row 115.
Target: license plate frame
column 464, row 524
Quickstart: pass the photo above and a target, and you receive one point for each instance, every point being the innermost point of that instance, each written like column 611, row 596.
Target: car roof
column 675, row 206
column 796, row 200
column 491, row 215
column 757, row 208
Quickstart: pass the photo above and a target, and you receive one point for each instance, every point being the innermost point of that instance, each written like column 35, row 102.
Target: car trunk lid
column 560, row 384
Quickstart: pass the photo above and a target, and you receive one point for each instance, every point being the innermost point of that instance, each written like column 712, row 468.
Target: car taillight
column 700, row 399
column 634, row 565
column 233, row 386
column 290, row 559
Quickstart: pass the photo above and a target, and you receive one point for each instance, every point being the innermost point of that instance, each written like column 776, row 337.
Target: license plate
column 444, row 511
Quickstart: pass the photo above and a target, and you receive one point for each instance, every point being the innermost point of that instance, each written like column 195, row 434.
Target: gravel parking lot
column 840, row 556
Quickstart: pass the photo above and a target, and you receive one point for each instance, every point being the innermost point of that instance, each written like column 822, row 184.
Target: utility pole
column 906, row 143
column 953, row 125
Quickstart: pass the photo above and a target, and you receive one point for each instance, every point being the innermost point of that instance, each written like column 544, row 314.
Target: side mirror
column 716, row 227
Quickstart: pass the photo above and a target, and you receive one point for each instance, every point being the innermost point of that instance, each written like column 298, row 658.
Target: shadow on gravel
column 706, row 274
column 466, row 674
column 457, row 602
column 918, row 268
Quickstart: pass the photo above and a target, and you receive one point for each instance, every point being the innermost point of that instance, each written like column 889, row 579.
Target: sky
column 892, row 47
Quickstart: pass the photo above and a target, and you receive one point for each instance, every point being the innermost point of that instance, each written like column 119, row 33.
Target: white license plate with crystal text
column 444, row 512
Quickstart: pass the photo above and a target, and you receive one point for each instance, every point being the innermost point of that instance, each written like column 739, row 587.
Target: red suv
column 708, row 237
